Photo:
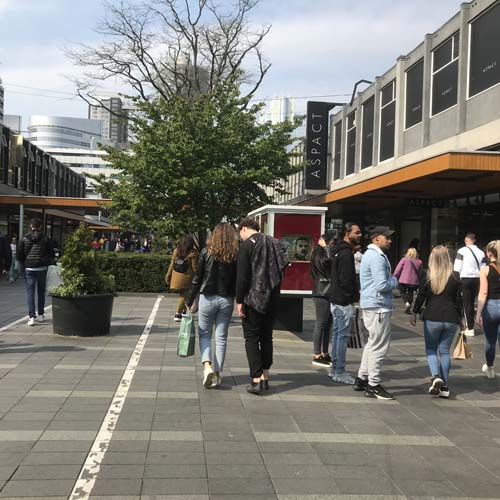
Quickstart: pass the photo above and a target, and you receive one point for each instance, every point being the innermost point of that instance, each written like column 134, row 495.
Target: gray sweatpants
column 379, row 338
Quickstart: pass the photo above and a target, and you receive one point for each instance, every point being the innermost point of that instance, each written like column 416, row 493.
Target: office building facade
column 111, row 111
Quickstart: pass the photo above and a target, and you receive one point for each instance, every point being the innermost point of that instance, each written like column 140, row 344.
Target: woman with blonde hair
column 442, row 296
column 215, row 281
column 488, row 305
column 408, row 273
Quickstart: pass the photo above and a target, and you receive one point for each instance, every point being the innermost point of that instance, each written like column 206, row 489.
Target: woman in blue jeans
column 488, row 306
column 442, row 296
column 215, row 281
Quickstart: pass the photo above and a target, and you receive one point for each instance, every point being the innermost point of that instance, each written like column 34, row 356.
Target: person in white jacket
column 468, row 263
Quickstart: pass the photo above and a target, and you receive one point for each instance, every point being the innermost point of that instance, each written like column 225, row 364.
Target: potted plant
column 83, row 303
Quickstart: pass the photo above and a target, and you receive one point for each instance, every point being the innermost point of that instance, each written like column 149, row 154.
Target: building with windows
column 14, row 122
column 111, row 110
column 419, row 149
column 63, row 132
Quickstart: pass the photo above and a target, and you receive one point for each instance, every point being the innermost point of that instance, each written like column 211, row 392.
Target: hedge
column 135, row 272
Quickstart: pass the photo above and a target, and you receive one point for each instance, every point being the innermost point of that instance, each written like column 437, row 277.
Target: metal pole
column 21, row 221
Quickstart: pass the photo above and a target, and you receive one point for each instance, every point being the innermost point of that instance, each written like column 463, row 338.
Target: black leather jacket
column 213, row 278
column 320, row 271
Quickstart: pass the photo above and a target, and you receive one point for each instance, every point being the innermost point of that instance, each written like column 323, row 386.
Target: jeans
column 407, row 292
column 438, row 337
column 36, row 279
column 491, row 326
column 323, row 325
column 14, row 269
column 470, row 291
column 342, row 319
column 214, row 309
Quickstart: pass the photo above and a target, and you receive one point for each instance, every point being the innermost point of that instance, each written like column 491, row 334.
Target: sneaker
column 31, row 322
column 208, row 377
column 437, row 384
column 469, row 333
column 178, row 317
column 322, row 362
column 328, row 358
column 255, row 388
column 217, row 380
column 444, row 392
column 377, row 391
column 408, row 308
column 343, row 378
column 40, row 318
column 360, row 384
column 488, row 371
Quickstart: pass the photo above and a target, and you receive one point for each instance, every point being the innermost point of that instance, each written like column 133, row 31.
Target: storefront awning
column 444, row 177
column 84, row 206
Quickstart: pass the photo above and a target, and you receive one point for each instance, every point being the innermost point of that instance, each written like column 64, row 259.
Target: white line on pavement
column 14, row 323
column 90, row 470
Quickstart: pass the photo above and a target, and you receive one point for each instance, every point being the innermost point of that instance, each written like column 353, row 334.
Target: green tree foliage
column 80, row 272
column 198, row 160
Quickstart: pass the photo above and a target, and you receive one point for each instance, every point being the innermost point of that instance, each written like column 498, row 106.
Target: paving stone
column 55, row 458
column 41, row 472
column 243, row 486
column 236, row 470
column 37, row 488
column 175, row 487
column 295, row 486
column 121, row 471
column 115, row 487
column 175, row 458
column 176, row 471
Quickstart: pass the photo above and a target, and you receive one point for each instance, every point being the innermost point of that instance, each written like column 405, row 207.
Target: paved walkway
column 308, row 439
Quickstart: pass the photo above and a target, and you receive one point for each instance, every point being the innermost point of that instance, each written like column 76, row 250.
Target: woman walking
column 320, row 273
column 181, row 271
column 408, row 273
column 488, row 306
column 442, row 296
column 14, row 267
column 215, row 281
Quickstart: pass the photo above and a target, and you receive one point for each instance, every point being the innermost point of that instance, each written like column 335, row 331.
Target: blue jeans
column 438, row 337
column 214, row 309
column 342, row 318
column 491, row 326
column 36, row 279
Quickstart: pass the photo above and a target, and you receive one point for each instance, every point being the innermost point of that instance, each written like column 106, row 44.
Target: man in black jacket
column 5, row 255
column 35, row 252
column 261, row 262
column 345, row 292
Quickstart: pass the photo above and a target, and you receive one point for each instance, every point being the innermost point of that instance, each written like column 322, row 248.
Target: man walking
column 35, row 253
column 468, row 262
column 376, row 301
column 345, row 293
column 261, row 262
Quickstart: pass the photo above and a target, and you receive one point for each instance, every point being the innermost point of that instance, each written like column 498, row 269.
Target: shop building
column 419, row 148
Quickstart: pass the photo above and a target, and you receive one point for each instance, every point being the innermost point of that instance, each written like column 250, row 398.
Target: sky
column 316, row 47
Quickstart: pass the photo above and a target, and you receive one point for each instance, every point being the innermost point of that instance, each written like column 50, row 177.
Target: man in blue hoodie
column 376, row 302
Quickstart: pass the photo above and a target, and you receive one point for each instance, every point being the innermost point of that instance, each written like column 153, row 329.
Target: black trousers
column 258, row 334
column 407, row 292
column 470, row 291
column 323, row 326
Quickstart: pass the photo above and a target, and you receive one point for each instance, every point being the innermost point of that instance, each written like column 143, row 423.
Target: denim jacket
column 377, row 283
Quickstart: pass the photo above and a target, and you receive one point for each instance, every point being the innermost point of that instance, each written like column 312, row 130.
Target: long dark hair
column 185, row 246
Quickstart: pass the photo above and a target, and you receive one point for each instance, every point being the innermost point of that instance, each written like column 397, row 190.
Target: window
column 338, row 150
column 414, row 94
column 484, row 70
column 350, row 144
column 367, row 133
column 445, row 75
column 387, row 121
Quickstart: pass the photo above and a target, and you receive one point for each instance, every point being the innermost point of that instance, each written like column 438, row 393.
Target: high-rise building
column 63, row 132
column 112, row 112
column 14, row 122
column 1, row 101
column 278, row 110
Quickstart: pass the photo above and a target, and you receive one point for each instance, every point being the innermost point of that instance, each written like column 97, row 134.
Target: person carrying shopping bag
column 215, row 281
column 442, row 297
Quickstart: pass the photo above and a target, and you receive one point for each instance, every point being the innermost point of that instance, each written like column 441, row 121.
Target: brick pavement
column 309, row 439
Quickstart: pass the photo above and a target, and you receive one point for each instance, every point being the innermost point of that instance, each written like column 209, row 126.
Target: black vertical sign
column 317, row 145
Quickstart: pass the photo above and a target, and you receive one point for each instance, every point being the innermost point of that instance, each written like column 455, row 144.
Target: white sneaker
column 31, row 322
column 41, row 319
column 488, row 371
column 469, row 333
column 217, row 380
column 208, row 377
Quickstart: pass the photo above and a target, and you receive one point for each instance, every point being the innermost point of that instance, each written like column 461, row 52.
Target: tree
column 198, row 161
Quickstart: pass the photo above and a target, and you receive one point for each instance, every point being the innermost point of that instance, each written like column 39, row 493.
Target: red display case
column 300, row 227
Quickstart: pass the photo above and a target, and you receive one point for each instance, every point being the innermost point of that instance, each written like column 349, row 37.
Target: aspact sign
column 317, row 145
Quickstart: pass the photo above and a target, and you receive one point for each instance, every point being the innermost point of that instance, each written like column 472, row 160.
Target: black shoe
column 321, row 361
column 377, row 391
column 437, row 385
column 264, row 384
column 178, row 317
column 255, row 388
column 360, row 384
column 328, row 358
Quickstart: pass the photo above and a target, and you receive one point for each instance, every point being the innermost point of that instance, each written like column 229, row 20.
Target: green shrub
column 135, row 272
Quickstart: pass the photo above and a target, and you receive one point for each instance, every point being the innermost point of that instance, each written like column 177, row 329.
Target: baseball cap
column 381, row 230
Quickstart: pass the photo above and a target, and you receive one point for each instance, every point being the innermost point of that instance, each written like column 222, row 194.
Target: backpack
column 181, row 265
